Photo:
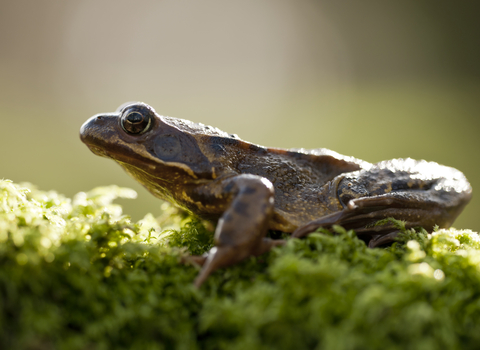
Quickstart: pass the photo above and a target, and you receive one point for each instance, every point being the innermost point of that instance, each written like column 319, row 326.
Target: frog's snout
column 96, row 130
column 85, row 130
column 91, row 126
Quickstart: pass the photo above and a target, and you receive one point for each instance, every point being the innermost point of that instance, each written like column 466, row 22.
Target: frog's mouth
column 111, row 151
column 118, row 157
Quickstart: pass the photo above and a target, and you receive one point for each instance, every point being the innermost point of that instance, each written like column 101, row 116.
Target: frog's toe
column 194, row 259
column 380, row 240
column 217, row 257
column 325, row 221
column 266, row 245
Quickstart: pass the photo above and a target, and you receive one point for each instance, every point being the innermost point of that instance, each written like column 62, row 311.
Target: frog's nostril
column 100, row 120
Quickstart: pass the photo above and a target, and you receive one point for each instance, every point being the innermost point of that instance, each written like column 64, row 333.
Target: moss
column 77, row 274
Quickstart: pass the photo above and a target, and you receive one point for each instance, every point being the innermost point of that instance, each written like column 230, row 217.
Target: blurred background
column 372, row 79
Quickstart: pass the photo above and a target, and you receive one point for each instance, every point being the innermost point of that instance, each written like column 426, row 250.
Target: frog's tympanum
column 248, row 189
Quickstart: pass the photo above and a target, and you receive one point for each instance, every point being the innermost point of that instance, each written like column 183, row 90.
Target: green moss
column 77, row 274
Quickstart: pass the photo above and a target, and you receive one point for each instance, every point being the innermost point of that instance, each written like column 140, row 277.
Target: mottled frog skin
column 248, row 189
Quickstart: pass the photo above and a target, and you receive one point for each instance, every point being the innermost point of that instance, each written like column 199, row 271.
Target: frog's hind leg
column 418, row 193
column 362, row 215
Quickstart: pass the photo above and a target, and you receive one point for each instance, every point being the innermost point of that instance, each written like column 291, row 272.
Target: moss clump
column 76, row 274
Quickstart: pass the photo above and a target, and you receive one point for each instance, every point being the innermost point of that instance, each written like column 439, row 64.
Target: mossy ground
column 76, row 274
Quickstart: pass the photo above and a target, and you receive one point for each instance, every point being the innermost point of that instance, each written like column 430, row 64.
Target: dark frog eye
column 136, row 123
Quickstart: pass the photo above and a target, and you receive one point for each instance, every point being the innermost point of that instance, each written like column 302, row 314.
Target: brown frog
column 249, row 189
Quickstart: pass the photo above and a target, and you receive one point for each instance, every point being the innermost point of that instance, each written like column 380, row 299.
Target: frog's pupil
column 135, row 118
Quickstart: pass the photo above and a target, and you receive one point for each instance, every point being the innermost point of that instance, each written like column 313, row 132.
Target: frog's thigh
column 241, row 229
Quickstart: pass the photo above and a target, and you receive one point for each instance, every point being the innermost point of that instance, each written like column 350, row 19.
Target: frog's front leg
column 241, row 229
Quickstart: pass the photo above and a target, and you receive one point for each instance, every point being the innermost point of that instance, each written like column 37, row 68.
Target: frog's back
column 296, row 169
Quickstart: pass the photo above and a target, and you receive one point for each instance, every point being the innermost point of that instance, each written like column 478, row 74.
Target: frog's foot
column 264, row 247
column 198, row 260
column 219, row 257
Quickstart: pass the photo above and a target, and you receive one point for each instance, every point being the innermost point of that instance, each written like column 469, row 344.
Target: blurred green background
column 373, row 79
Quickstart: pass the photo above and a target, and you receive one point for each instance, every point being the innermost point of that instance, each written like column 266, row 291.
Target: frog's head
column 144, row 142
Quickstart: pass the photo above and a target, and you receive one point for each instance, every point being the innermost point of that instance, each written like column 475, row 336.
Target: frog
column 248, row 190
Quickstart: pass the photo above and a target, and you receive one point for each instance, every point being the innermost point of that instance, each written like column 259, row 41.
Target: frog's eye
column 134, row 122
